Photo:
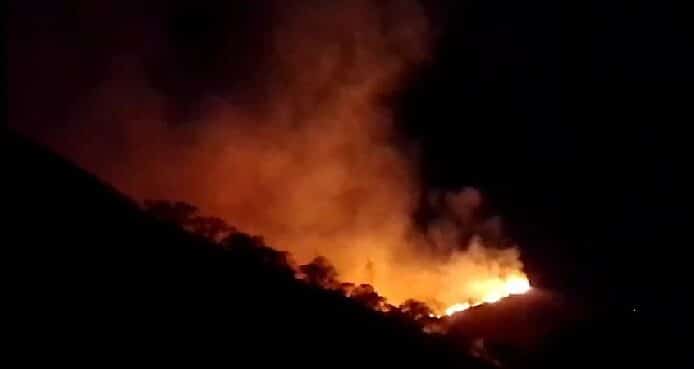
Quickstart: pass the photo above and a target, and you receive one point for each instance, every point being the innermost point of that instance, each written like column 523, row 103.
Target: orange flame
column 516, row 285
column 306, row 157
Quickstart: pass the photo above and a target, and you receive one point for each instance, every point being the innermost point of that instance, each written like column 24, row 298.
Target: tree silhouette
column 415, row 310
column 347, row 288
column 365, row 294
column 185, row 215
column 210, row 227
column 251, row 250
column 178, row 212
column 321, row 272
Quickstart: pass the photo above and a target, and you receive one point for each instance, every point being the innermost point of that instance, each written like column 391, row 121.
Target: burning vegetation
column 303, row 149
column 321, row 273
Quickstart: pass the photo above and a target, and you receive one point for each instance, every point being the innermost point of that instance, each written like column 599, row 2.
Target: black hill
column 102, row 282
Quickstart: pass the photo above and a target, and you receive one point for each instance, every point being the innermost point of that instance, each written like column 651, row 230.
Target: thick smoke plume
column 305, row 154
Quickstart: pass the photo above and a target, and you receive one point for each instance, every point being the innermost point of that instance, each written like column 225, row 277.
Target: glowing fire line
column 513, row 286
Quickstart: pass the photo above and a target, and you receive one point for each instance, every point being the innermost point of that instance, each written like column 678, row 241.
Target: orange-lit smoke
column 309, row 159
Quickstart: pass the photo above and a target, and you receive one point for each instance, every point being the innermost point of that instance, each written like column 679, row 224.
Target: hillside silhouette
column 101, row 281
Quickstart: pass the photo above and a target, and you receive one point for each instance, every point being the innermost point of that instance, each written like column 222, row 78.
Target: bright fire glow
column 517, row 286
column 511, row 286
column 456, row 308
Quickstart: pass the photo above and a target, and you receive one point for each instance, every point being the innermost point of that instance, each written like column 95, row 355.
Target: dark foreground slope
column 100, row 282
column 549, row 329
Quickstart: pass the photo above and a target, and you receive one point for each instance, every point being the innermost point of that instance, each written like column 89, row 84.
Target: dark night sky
column 575, row 115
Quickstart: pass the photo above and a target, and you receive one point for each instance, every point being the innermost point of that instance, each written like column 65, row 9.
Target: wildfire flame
column 306, row 159
column 456, row 308
column 512, row 286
